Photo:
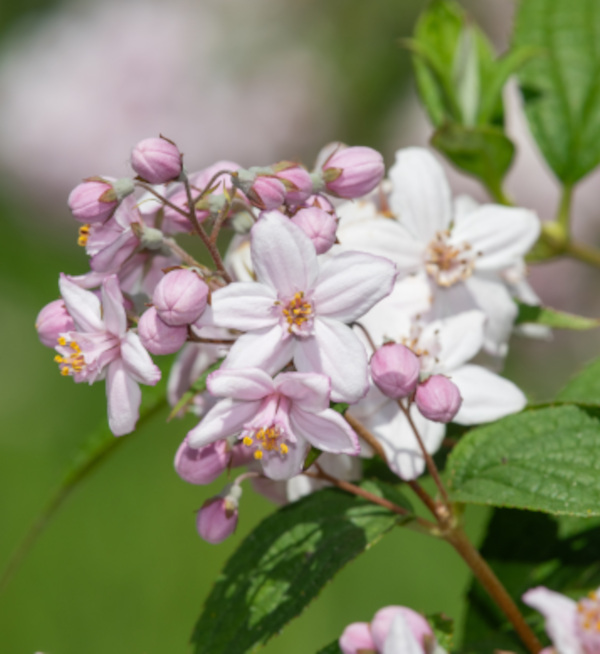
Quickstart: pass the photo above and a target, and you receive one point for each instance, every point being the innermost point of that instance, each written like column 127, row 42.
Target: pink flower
column 218, row 517
column 278, row 419
column 51, row 321
column 101, row 346
column 297, row 310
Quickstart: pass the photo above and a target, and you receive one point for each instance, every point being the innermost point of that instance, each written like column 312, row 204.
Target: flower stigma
column 448, row 264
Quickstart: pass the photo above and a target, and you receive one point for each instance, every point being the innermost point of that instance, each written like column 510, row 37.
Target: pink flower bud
column 356, row 639
column 319, row 225
column 156, row 160
column 353, row 172
column 267, row 193
column 93, row 201
column 158, row 337
column 218, row 517
column 383, row 619
column 395, row 370
column 202, row 465
column 297, row 181
column 180, row 297
column 51, row 321
column 438, row 398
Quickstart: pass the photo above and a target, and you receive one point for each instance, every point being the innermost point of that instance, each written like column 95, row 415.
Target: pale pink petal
column 500, row 234
column 124, row 397
column 560, row 613
column 328, row 431
column 83, row 306
column 283, row 256
column 240, row 384
column 350, row 283
column 356, row 638
column 486, row 396
column 401, row 640
column 113, row 310
column 246, row 306
column 226, row 418
column 288, row 466
column 335, row 351
column 270, row 349
column 383, row 621
column 308, row 391
column 137, row 361
column 421, row 197
column 113, row 256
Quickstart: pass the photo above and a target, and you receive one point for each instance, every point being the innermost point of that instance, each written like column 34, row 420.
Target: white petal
column 463, row 205
column 270, row 349
column 283, row 256
column 309, row 391
column 241, row 384
column 226, row 418
column 335, row 350
column 137, row 361
column 501, row 234
column 113, row 310
column 83, row 306
column 421, row 197
column 327, row 431
column 400, row 639
column 288, row 466
column 246, row 306
column 350, row 283
column 560, row 613
column 486, row 396
column 124, row 396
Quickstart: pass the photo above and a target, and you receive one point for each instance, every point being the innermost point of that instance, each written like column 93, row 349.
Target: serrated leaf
column 530, row 314
column 542, row 460
column 562, row 88
column 584, row 387
column 284, row 563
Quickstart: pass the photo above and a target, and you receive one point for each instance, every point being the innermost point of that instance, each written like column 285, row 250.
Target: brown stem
column 425, row 497
column 185, row 256
column 458, row 539
column 211, row 341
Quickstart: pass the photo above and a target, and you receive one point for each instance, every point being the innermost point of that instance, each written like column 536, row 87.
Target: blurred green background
column 121, row 569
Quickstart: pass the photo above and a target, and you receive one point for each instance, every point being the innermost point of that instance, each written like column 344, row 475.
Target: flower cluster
column 344, row 299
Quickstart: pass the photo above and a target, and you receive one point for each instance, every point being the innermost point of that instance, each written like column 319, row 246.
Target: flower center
column 266, row 439
column 297, row 314
column 70, row 362
column 84, row 234
column 447, row 263
column 588, row 623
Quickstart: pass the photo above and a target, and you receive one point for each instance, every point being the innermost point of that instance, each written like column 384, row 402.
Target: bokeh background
column 121, row 569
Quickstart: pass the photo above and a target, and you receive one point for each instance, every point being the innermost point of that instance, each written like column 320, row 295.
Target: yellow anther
column 74, row 346
column 62, row 340
column 598, row 625
column 284, row 448
column 58, row 359
column 64, row 371
column 258, row 455
column 247, row 441
column 84, row 232
column 592, row 595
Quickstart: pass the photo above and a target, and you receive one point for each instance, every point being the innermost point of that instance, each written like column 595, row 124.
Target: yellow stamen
column 258, row 455
column 247, row 441
column 84, row 233
column 62, row 340
column 64, row 371
column 283, row 448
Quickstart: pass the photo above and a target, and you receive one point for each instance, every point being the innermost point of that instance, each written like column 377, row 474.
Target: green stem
column 563, row 215
column 583, row 253
column 495, row 189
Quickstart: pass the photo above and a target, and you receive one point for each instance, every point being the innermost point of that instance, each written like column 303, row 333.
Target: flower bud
column 356, row 639
column 156, row 160
column 352, row 172
column 180, row 297
column 297, row 181
column 438, row 398
column 202, row 465
column 319, row 225
column 395, row 370
column 218, row 517
column 261, row 187
column 94, row 200
column 158, row 337
column 415, row 622
column 51, row 321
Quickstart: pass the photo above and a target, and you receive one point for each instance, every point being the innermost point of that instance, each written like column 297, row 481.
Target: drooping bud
column 218, row 517
column 180, row 297
column 202, row 465
column 297, row 181
column 352, row 172
column 261, row 187
column 156, row 160
column 95, row 199
column 438, row 398
column 395, row 370
column 51, row 321
column 158, row 337
column 319, row 225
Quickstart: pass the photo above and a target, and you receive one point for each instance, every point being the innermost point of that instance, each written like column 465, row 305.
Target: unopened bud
column 158, row 337
column 297, row 181
column 319, row 225
column 94, row 200
column 383, row 623
column 156, row 160
column 202, row 465
column 353, row 172
column 180, row 297
column 395, row 370
column 438, row 398
column 261, row 187
column 51, row 321
column 218, row 517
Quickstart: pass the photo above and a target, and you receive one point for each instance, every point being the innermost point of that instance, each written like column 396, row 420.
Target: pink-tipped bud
column 51, row 321
column 357, row 638
column 319, row 225
column 180, row 297
column 218, row 517
column 261, row 187
column 353, row 172
column 395, row 370
column 297, row 181
column 416, row 623
column 95, row 200
column 438, row 398
column 158, row 337
column 202, row 465
column 156, row 160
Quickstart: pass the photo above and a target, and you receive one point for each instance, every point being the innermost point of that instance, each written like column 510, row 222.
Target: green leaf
column 95, row 450
column 199, row 386
column 584, row 388
column 443, row 629
column 332, row 648
column 340, row 407
column 541, row 460
column 562, row 88
column 284, row 563
column 530, row 314
column 313, row 454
